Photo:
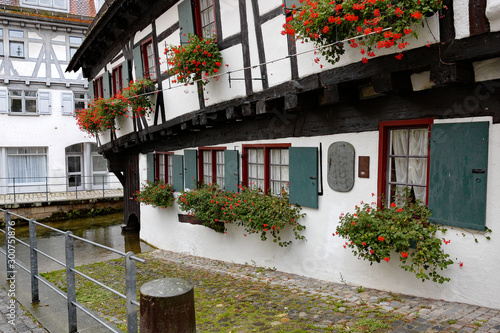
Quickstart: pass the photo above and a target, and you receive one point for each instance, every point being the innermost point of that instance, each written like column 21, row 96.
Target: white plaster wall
column 230, row 17
column 322, row 256
column 493, row 14
column 276, row 47
column 266, row 6
column 487, row 70
column 461, row 18
column 167, row 19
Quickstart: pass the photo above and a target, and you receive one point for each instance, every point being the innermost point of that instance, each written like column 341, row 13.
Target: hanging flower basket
column 384, row 24
column 195, row 61
column 138, row 96
column 100, row 115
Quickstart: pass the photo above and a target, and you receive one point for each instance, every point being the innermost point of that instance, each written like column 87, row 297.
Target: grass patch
column 224, row 303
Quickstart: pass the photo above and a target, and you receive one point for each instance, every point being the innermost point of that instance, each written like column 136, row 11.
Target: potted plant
column 378, row 234
column 382, row 23
column 195, row 61
column 138, row 96
column 266, row 215
column 157, row 194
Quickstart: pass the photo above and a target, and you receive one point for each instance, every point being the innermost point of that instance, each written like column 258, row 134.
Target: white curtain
column 414, row 170
column 27, row 168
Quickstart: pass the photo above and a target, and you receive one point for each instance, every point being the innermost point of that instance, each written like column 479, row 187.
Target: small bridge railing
column 71, row 272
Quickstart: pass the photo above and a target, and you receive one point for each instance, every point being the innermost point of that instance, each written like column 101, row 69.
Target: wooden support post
column 167, row 305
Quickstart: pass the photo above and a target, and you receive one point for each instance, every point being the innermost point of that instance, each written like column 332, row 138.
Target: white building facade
column 41, row 147
column 441, row 99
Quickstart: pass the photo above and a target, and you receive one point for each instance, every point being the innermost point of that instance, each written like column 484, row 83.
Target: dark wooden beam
column 291, row 101
column 447, row 22
column 247, row 110
column 391, row 83
column 457, row 73
column 478, row 22
column 329, row 95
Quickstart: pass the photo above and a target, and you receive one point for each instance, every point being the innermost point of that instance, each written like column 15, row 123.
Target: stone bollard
column 167, row 306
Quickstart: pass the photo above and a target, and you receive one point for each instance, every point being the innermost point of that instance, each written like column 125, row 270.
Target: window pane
column 31, row 106
column 99, row 163
column 62, row 4
column 399, row 142
column 26, row 168
column 76, row 148
column 418, row 142
column 169, row 168
column 16, row 105
column 16, row 34
column 417, row 171
column 16, row 49
column 1, row 48
column 1, row 32
column 30, row 93
column 74, row 164
column 75, row 40
column 397, row 170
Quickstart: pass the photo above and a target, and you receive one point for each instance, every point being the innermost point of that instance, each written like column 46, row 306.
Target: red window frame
column 214, row 162
column 197, row 16
column 98, row 87
column 157, row 164
column 146, row 61
column 117, row 76
column 384, row 128
column 267, row 162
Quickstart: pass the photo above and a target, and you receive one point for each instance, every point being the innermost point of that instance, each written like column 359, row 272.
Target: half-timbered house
column 441, row 99
column 41, row 148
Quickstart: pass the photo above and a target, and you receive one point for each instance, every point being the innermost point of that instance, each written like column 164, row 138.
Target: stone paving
column 419, row 314
column 17, row 320
column 58, row 196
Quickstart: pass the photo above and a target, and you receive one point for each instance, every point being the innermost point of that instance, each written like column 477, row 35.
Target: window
column 198, row 18
column 211, row 166
column 23, row 101
column 404, row 157
column 205, row 18
column 1, row 43
column 61, row 5
column 163, row 169
column 74, row 43
column 266, row 167
column 27, row 165
column 80, row 100
column 149, row 59
column 16, row 43
column 117, row 79
column 99, row 168
column 98, row 87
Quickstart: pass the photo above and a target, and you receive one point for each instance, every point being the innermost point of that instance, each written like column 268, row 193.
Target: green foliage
column 375, row 233
column 157, row 194
column 137, row 97
column 249, row 208
column 386, row 24
column 197, row 60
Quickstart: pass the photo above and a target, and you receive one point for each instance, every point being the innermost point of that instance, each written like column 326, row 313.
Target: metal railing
column 13, row 187
column 70, row 296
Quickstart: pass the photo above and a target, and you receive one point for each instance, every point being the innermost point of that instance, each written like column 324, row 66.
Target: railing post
column 103, row 194
column 130, row 283
column 47, row 188
column 10, row 247
column 14, row 187
column 70, row 282
column 34, row 262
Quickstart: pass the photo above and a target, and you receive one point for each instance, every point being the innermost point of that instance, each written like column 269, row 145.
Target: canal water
column 105, row 230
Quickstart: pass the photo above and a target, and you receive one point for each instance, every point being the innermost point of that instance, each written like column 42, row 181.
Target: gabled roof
column 112, row 29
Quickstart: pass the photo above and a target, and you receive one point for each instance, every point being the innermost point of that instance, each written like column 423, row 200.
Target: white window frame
column 40, row 5
column 23, row 99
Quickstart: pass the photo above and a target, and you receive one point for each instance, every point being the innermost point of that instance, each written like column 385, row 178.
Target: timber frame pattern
column 324, row 103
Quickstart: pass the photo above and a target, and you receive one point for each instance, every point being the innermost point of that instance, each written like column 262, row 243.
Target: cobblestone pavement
column 17, row 320
column 58, row 196
column 419, row 314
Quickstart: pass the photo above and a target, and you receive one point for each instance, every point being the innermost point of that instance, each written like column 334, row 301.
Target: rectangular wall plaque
column 364, row 167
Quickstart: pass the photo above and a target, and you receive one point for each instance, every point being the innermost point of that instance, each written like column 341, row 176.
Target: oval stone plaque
column 341, row 166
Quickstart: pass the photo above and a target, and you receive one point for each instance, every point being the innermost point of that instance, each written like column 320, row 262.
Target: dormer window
column 59, row 5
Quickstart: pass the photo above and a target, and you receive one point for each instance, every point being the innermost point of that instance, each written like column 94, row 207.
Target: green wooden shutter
column 457, row 179
column 151, row 167
column 289, row 3
column 91, row 90
column 178, row 172
column 125, row 77
column 191, row 168
column 186, row 20
column 304, row 176
column 138, row 63
column 106, row 83
column 231, row 170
